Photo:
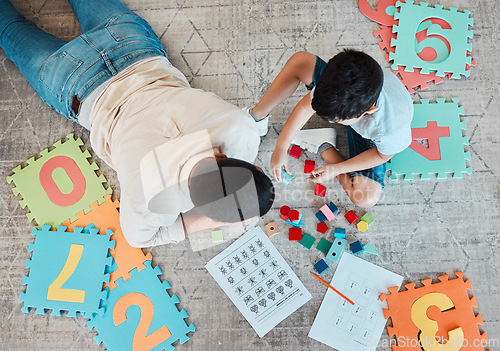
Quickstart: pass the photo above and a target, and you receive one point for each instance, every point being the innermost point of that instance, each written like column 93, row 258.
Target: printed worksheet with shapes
column 258, row 281
column 343, row 326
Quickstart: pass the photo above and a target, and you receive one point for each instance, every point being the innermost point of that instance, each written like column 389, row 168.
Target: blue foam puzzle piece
column 50, row 253
column 410, row 163
column 321, row 217
column 336, row 249
column 145, row 282
column 357, row 247
column 285, row 177
column 321, row 266
column 339, row 233
column 333, row 208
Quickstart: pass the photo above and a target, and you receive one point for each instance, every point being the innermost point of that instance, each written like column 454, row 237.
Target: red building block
column 284, row 212
column 295, row 234
column 295, row 151
column 309, row 166
column 320, row 190
column 351, row 217
column 293, row 215
column 322, row 227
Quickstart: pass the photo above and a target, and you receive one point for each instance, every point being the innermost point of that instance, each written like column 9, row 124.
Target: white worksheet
column 343, row 326
column 258, row 281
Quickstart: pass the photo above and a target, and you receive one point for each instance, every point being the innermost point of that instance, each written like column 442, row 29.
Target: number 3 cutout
column 429, row 327
column 141, row 341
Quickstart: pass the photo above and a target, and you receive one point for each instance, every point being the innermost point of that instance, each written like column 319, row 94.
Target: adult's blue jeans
column 65, row 73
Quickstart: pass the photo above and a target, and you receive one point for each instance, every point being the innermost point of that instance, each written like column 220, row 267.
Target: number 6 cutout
column 141, row 341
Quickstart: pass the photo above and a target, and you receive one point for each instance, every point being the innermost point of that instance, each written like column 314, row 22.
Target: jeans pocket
column 56, row 72
column 127, row 26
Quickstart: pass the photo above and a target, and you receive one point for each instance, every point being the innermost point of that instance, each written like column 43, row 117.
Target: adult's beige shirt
column 150, row 106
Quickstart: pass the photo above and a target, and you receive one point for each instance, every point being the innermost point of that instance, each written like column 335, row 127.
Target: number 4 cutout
column 431, row 133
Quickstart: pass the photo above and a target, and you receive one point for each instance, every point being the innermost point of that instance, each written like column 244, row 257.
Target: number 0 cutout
column 55, row 292
column 429, row 328
column 141, row 341
column 74, row 173
column 431, row 133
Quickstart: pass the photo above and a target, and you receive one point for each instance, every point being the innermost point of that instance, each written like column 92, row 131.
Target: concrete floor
column 235, row 48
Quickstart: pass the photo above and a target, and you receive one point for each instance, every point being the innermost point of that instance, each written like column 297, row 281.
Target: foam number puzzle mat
column 106, row 216
column 67, row 271
column 447, row 35
column 440, row 125
column 435, row 317
column 140, row 315
column 58, row 184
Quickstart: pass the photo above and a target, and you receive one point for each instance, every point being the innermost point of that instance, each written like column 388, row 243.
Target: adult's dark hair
column 349, row 85
column 232, row 191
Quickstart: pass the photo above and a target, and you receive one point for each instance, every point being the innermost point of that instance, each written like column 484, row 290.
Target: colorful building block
column 307, row 241
column 294, row 234
column 322, row 227
column 285, row 177
column 296, row 223
column 369, row 248
column 320, row 190
column 284, row 210
column 324, row 245
column 309, row 166
column 368, row 218
column 295, row 151
column 320, row 216
column 217, row 236
column 336, row 249
column 357, row 247
column 339, row 233
column 321, row 266
column 327, row 212
column 293, row 215
column 333, row 208
column 362, row 226
column 351, row 217
column 271, row 229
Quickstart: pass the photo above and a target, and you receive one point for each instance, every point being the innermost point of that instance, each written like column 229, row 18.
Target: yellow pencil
column 331, row 287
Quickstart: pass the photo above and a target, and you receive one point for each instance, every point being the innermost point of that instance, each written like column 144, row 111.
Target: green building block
column 307, row 241
column 368, row 218
column 324, row 246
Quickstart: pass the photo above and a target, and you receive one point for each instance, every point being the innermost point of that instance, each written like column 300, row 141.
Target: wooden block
column 293, row 215
column 351, row 217
column 321, row 217
column 362, row 226
column 357, row 247
column 320, row 190
column 321, row 266
column 339, row 233
column 324, row 246
column 285, row 177
column 333, row 208
column 369, row 248
column 327, row 212
column 368, row 218
column 295, row 151
column 307, row 241
column 271, row 229
column 309, row 166
column 322, row 227
column 336, row 249
column 284, row 212
column 294, row 234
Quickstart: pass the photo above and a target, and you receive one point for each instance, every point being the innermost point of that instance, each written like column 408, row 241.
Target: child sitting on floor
column 352, row 90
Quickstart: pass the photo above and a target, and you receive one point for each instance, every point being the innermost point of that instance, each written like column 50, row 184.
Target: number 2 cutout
column 429, row 327
column 55, row 292
column 431, row 133
column 141, row 341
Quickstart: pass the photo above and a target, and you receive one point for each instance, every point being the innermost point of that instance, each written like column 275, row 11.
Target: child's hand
column 279, row 159
column 327, row 172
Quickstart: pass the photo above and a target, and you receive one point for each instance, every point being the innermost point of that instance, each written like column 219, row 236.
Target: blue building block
column 285, row 177
column 357, row 247
column 339, row 233
column 336, row 249
column 296, row 223
column 321, row 266
column 321, row 217
column 333, row 208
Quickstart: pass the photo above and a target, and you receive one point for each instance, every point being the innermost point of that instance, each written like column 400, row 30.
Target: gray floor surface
column 235, row 48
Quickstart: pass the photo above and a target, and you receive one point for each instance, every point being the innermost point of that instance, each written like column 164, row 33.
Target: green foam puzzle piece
column 413, row 18
column 69, row 169
column 410, row 163
column 307, row 241
column 324, row 246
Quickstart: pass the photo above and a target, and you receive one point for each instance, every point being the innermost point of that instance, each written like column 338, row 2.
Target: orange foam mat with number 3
column 435, row 317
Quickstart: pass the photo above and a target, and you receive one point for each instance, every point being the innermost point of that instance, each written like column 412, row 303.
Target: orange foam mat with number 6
column 106, row 216
column 435, row 317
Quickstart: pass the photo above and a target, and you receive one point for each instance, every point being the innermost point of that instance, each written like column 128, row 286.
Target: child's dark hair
column 233, row 192
column 349, row 85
